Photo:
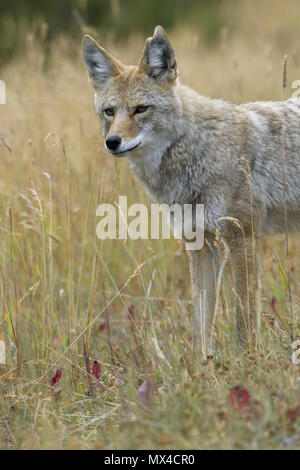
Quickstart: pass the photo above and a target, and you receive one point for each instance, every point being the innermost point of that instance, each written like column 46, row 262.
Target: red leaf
column 239, row 397
column 57, row 339
column 273, row 302
column 144, row 393
column 96, row 369
column 102, row 326
column 293, row 414
column 56, row 377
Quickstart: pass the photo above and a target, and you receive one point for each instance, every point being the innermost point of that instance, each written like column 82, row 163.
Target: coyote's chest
column 162, row 181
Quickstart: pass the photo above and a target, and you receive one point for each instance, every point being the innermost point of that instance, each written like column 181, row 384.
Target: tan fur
column 187, row 148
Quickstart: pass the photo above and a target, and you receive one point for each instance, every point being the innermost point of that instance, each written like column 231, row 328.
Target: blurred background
column 275, row 19
column 116, row 17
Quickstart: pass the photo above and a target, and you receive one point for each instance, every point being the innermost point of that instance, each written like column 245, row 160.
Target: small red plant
column 239, row 397
column 273, row 302
column 102, row 326
column 293, row 414
column 57, row 339
column 96, row 369
column 56, row 377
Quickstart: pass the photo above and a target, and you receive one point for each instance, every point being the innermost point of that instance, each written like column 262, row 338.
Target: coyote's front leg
column 205, row 270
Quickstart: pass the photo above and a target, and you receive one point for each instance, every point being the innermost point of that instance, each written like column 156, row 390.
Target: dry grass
column 129, row 302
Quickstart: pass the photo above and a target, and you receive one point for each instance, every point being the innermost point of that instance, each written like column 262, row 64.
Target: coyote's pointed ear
column 158, row 59
column 100, row 64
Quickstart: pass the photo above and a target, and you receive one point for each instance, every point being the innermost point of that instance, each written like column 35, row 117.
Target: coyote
column 188, row 148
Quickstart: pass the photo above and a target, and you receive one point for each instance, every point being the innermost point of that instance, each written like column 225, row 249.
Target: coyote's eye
column 109, row 112
column 140, row 109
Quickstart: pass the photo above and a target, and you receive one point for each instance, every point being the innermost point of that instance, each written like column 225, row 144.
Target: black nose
column 113, row 142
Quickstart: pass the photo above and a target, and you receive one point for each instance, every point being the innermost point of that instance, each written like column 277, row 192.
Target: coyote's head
column 136, row 104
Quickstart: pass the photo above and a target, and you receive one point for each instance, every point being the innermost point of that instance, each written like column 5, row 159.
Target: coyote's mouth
column 127, row 150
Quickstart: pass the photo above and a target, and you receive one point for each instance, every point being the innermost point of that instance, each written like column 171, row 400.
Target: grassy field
column 67, row 299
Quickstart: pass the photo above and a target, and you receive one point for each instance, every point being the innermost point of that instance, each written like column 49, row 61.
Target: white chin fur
column 127, row 146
